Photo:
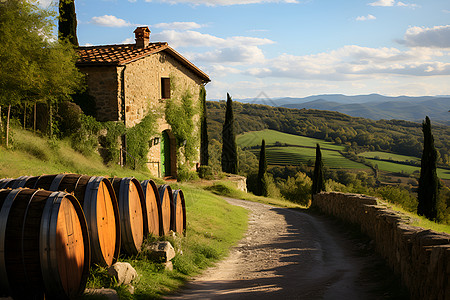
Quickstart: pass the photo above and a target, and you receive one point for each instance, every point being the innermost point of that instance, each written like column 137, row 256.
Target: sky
column 290, row 48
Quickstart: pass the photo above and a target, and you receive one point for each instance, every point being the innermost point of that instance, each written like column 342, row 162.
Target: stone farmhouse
column 129, row 80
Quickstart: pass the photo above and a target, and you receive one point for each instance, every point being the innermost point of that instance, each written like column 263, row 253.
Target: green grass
column 254, row 138
column 418, row 221
column 32, row 155
column 393, row 167
column 296, row 155
column 228, row 189
column 388, row 156
column 213, row 225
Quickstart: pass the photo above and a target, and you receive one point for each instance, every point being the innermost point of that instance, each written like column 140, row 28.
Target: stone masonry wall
column 143, row 93
column 103, row 85
column 421, row 257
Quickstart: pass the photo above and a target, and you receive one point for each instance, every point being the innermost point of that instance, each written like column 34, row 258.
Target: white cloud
column 179, row 25
column 366, row 18
column 412, row 5
column 110, row 21
column 45, row 3
column 129, row 41
column 241, row 54
column 223, row 2
column 196, row 39
column 392, row 3
column 354, row 62
column 383, row 3
column 435, row 37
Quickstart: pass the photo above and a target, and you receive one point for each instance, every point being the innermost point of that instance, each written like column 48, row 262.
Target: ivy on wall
column 138, row 138
column 179, row 113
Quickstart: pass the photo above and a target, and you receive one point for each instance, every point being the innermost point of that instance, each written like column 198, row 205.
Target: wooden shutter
column 165, row 88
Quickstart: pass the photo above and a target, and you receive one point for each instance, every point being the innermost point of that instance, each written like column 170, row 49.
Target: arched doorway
column 168, row 154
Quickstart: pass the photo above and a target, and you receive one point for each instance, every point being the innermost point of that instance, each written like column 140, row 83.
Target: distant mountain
column 374, row 106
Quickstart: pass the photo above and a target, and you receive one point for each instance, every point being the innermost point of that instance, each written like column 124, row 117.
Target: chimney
column 142, row 36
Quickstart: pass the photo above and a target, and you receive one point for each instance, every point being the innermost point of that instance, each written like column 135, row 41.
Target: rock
column 123, row 272
column 168, row 266
column 108, row 294
column 160, row 251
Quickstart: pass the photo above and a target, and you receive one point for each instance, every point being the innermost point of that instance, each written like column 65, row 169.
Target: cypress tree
column 229, row 148
column 262, row 184
column 67, row 24
column 204, row 155
column 428, row 181
column 318, row 184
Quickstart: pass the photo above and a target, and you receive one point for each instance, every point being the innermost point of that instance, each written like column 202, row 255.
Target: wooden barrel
column 100, row 207
column 4, row 182
column 44, row 245
column 166, row 202
column 179, row 222
column 15, row 183
column 154, row 222
column 133, row 213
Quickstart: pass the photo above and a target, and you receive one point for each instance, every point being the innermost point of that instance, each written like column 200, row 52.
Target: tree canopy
column 34, row 65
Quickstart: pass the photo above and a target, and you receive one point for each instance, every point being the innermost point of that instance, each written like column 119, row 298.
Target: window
column 165, row 88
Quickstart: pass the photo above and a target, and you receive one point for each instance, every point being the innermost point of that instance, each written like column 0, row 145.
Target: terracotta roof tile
column 125, row 53
column 115, row 54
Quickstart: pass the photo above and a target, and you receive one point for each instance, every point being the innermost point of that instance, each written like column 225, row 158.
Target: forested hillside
column 359, row 134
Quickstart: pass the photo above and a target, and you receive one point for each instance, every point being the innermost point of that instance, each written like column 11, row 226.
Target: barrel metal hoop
column 15, row 182
column 4, row 213
column 5, row 182
column 124, row 210
column 56, row 182
column 22, row 246
column 90, row 210
column 47, row 244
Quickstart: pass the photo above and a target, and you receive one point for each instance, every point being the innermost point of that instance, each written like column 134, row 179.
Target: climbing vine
column 138, row 138
column 180, row 116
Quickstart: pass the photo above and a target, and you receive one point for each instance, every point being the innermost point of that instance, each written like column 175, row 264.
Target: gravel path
column 288, row 254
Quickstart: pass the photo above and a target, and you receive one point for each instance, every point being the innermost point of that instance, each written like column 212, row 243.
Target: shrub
column 205, row 172
column 85, row 140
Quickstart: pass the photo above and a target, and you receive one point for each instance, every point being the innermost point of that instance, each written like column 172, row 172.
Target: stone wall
column 104, row 86
column 421, row 257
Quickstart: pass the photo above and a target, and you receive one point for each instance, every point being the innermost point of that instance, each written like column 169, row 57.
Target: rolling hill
column 374, row 106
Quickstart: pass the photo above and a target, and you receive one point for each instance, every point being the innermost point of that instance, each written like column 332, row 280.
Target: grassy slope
column 254, row 138
column 295, row 155
column 213, row 225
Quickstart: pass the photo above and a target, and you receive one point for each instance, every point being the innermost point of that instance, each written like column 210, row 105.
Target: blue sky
column 290, row 48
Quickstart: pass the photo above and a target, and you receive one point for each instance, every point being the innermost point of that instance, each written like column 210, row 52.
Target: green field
column 388, row 156
column 302, row 151
column 254, row 138
column 296, row 155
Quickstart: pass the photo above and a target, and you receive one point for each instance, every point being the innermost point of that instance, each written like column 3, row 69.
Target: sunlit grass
column 416, row 220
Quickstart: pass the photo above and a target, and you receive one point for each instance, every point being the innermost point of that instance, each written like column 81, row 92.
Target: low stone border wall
column 421, row 257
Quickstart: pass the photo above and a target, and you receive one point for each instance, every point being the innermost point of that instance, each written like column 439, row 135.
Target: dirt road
column 288, row 254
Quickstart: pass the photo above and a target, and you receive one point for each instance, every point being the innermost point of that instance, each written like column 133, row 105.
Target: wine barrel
column 4, row 182
column 100, row 207
column 154, row 222
column 15, row 183
column 133, row 213
column 166, row 202
column 179, row 222
column 44, row 245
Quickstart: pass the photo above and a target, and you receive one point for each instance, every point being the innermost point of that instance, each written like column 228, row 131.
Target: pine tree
column 204, row 155
column 67, row 25
column 262, row 184
column 318, row 184
column 229, row 148
column 428, row 181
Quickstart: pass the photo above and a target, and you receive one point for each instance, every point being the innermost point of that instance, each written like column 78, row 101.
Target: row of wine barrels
column 44, row 245
column 179, row 222
column 133, row 213
column 99, row 203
